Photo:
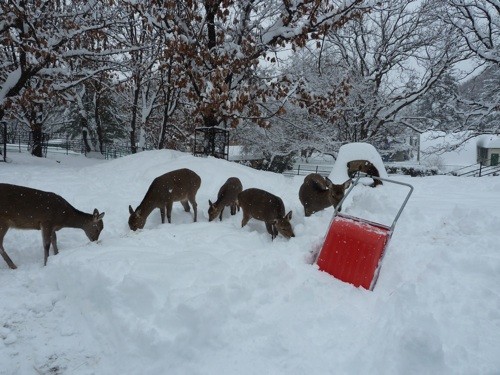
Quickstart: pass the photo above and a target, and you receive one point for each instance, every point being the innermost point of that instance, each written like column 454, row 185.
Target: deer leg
column 275, row 232
column 245, row 219
column 270, row 229
column 233, row 209
column 192, row 200
column 185, row 204
column 53, row 241
column 46, row 238
column 169, row 211
column 162, row 215
column 220, row 215
column 10, row 263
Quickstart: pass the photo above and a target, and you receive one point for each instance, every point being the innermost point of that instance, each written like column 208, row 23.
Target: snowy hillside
column 214, row 298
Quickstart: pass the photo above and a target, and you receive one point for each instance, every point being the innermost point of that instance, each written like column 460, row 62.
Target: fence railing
column 21, row 141
column 305, row 169
column 480, row 169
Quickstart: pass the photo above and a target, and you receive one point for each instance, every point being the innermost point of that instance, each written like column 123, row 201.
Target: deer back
column 262, row 205
column 26, row 208
column 227, row 196
column 317, row 193
column 174, row 186
column 364, row 166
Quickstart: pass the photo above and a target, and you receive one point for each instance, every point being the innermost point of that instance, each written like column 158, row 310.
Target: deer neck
column 147, row 206
column 76, row 219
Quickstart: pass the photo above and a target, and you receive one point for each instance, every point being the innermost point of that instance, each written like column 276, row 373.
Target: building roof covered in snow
column 488, row 141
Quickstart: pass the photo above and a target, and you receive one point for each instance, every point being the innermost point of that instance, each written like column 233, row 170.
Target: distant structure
column 488, row 150
column 211, row 141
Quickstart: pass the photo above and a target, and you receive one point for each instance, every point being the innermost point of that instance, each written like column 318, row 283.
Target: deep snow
column 214, row 298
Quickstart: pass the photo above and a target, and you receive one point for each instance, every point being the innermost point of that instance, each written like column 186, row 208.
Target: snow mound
column 355, row 151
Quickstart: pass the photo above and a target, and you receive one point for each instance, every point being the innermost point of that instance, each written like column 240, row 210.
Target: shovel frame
column 361, row 175
column 389, row 229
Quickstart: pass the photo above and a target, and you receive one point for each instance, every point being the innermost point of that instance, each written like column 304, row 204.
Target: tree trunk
column 211, row 123
column 85, row 139
column 36, row 130
column 37, row 138
column 98, row 124
column 133, row 124
column 163, row 131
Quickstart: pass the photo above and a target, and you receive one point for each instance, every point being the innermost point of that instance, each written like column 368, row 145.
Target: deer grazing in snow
column 26, row 208
column 179, row 185
column 227, row 196
column 262, row 205
column 317, row 193
column 364, row 166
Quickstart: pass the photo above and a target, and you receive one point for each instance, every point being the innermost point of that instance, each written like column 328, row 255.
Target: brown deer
column 262, row 205
column 227, row 196
column 364, row 166
column 26, row 208
column 317, row 193
column 179, row 185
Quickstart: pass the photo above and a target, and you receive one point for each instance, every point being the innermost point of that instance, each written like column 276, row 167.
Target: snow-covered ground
column 214, row 298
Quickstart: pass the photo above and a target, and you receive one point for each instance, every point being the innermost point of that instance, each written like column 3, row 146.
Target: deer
column 364, row 166
column 262, row 205
column 26, row 208
column 317, row 193
column 178, row 185
column 227, row 196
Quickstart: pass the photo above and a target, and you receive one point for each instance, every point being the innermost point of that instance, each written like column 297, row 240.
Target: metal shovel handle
column 356, row 181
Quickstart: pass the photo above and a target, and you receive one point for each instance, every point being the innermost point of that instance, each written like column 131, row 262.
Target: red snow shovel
column 354, row 247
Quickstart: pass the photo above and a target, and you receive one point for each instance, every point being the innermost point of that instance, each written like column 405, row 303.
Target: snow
column 488, row 141
column 355, row 151
column 12, row 80
column 214, row 298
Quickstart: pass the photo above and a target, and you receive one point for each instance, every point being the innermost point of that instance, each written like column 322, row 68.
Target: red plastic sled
column 354, row 248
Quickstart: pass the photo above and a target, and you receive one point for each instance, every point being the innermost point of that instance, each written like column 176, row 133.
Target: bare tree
column 393, row 56
column 478, row 22
column 41, row 40
column 359, row 84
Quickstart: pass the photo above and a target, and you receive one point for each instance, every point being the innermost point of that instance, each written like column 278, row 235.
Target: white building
column 488, row 149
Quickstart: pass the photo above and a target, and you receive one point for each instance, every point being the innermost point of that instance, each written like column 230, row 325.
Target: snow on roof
column 355, row 151
column 489, row 141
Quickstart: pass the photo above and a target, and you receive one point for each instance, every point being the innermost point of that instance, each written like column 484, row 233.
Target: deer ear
column 329, row 183
column 130, row 210
column 289, row 216
column 97, row 216
column 210, row 203
column 347, row 184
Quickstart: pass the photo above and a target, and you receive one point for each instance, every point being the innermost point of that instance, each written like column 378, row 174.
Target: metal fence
column 22, row 141
column 305, row 169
